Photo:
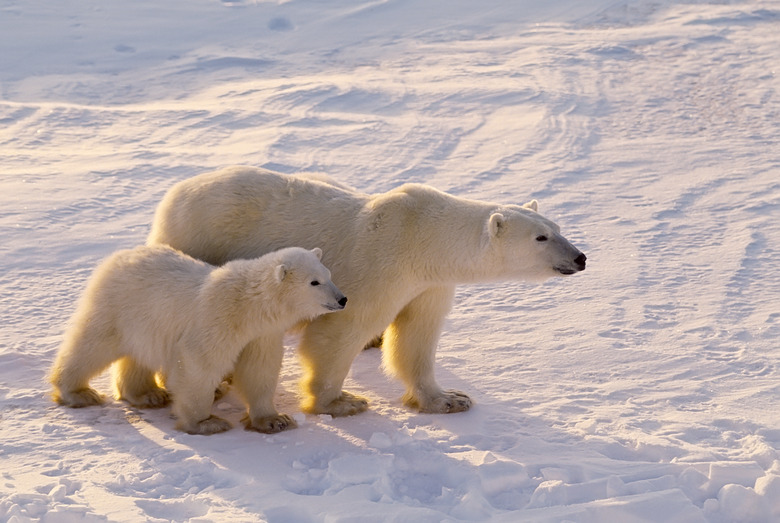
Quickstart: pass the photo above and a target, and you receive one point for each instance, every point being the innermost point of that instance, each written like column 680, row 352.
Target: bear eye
column 541, row 238
column 315, row 283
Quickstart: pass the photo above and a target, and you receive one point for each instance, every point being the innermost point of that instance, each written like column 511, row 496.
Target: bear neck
column 451, row 240
column 243, row 296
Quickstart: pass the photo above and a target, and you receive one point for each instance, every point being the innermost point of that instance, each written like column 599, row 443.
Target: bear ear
column 533, row 205
column 317, row 252
column 280, row 272
column 496, row 223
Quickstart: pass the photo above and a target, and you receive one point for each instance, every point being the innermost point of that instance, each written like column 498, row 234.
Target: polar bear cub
column 156, row 308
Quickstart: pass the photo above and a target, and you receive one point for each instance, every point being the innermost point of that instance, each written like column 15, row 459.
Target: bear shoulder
column 410, row 197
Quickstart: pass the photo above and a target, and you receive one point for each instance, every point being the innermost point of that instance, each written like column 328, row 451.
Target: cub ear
column 280, row 272
column 496, row 223
column 317, row 252
column 532, row 205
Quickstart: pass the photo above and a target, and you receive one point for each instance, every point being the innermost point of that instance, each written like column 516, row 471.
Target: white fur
column 398, row 255
column 154, row 308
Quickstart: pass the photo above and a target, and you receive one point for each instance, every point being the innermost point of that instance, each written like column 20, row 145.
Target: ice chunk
column 738, row 503
column 380, row 440
column 498, row 476
column 556, row 474
column 355, row 469
column 768, row 487
column 725, row 473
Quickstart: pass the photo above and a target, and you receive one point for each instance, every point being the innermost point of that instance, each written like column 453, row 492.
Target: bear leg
column 409, row 350
column 255, row 376
column 327, row 350
column 136, row 384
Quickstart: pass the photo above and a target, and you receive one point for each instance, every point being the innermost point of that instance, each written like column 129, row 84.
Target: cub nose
column 580, row 261
column 343, row 301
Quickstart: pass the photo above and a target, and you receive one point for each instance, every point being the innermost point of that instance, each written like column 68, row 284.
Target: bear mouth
column 567, row 271
column 333, row 307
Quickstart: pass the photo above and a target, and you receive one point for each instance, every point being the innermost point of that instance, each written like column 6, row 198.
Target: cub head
column 526, row 245
column 306, row 282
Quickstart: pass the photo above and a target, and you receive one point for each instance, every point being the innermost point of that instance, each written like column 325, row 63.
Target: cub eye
column 315, row 283
column 541, row 238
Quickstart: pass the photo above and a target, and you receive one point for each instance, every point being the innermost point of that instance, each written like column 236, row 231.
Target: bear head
column 526, row 245
column 305, row 282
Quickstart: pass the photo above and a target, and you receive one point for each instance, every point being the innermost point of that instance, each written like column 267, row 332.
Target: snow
column 644, row 389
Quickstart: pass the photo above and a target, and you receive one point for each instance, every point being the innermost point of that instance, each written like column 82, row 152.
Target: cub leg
column 136, row 384
column 255, row 376
column 409, row 349
column 88, row 349
column 193, row 395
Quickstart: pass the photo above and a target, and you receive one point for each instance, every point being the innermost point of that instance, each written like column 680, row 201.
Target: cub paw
column 269, row 424
column 208, row 426
column 76, row 399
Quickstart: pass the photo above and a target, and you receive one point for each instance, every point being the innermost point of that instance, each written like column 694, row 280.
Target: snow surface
column 644, row 389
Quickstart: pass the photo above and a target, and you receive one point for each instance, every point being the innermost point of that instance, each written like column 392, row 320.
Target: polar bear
column 154, row 308
column 398, row 255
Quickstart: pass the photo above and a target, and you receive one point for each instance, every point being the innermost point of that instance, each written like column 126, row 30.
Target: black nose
column 580, row 261
column 343, row 301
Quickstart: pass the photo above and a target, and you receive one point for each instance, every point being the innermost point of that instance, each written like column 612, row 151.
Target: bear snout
column 575, row 266
column 580, row 261
column 338, row 305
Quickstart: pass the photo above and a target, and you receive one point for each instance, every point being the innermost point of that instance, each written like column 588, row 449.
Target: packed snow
column 644, row 389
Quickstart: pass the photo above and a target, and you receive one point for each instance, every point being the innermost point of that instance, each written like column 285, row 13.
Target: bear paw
column 153, row 399
column 345, row 405
column 210, row 425
column 448, row 402
column 269, row 424
column 85, row 397
column 223, row 388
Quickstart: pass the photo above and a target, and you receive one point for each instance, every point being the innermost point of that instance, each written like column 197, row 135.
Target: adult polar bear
column 397, row 255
